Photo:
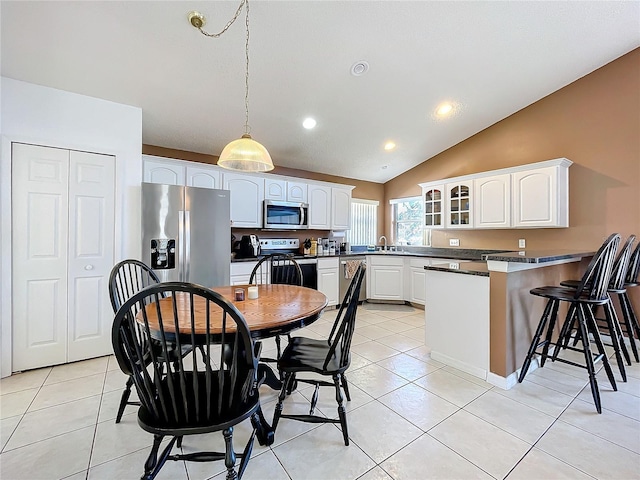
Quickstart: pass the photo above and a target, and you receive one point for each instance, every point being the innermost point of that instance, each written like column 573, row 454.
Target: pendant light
column 243, row 154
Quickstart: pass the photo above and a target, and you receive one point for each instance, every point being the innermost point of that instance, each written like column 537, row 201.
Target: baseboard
column 455, row 363
column 509, row 381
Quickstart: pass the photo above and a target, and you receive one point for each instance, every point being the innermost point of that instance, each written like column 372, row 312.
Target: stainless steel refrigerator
column 186, row 233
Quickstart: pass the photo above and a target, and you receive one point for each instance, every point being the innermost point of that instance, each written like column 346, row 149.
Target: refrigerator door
column 163, row 229
column 207, row 231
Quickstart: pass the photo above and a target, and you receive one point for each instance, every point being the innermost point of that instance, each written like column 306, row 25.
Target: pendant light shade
column 245, row 154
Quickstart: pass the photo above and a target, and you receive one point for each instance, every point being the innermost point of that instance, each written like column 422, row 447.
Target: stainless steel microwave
column 279, row 215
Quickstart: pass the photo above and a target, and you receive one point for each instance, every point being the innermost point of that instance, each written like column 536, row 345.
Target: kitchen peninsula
column 480, row 318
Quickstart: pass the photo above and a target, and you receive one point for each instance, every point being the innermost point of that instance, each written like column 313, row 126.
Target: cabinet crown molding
column 563, row 162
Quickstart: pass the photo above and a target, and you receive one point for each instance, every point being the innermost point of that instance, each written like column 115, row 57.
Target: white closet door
column 91, row 253
column 40, row 234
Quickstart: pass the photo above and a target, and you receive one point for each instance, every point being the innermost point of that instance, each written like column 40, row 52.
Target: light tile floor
column 410, row 417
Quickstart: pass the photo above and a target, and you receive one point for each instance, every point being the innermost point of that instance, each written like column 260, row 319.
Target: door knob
column 88, row 267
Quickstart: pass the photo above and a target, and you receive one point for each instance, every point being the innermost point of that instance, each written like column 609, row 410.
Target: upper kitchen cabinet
column 163, row 170
column 459, row 204
column 319, row 207
column 541, row 195
column 247, row 194
column 204, row 176
column 492, row 201
column 341, row 208
column 433, row 198
column 285, row 190
column 170, row 171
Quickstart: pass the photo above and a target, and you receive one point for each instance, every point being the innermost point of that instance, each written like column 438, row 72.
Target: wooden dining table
column 279, row 309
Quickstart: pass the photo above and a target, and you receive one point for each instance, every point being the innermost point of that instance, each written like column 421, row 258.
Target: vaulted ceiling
column 488, row 59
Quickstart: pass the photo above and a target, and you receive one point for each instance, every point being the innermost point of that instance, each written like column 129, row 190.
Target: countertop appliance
column 308, row 265
column 248, row 247
column 280, row 215
column 185, row 233
column 347, row 270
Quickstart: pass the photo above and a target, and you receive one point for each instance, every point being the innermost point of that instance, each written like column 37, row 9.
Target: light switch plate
column 522, row 243
column 454, row 242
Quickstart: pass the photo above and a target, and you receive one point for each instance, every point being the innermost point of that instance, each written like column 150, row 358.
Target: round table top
column 278, row 309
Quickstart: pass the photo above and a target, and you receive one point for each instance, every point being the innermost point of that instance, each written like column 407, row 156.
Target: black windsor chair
column 277, row 268
column 179, row 399
column 617, row 288
column 127, row 278
column 330, row 357
column 591, row 291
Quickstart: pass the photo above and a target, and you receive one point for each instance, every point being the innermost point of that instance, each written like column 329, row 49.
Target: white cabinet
column 163, row 170
column 539, row 193
column 414, row 275
column 492, row 201
column 319, row 207
column 170, row 171
column 328, row 279
column 385, row 277
column 203, row 176
column 433, row 198
column 296, row 192
column 285, row 190
column 340, row 208
column 241, row 271
column 247, row 194
column 459, row 204
column 541, row 196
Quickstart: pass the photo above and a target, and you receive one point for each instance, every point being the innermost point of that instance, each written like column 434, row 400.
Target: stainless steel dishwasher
column 345, row 280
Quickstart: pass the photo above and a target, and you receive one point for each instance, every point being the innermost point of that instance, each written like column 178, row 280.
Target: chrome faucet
column 385, row 242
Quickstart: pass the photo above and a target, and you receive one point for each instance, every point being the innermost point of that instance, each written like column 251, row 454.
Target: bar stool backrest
column 595, row 281
column 634, row 266
column 621, row 265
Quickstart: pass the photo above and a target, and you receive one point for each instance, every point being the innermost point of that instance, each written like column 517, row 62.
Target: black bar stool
column 630, row 318
column 591, row 291
column 617, row 288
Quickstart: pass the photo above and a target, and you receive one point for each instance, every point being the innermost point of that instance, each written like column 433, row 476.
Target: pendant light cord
column 243, row 3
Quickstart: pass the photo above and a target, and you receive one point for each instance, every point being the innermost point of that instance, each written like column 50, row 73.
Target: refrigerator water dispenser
column 163, row 253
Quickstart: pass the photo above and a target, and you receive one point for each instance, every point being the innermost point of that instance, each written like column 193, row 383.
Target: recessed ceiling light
column 444, row 109
column 309, row 123
column 359, row 68
column 389, row 146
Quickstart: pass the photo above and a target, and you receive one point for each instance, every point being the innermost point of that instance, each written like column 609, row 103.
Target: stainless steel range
column 309, row 265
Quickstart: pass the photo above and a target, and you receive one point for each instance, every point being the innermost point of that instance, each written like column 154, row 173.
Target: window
column 364, row 222
column 407, row 221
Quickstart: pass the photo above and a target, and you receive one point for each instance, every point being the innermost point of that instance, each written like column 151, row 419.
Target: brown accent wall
column 595, row 122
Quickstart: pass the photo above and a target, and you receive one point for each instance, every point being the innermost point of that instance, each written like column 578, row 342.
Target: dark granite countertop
column 538, row 256
column 465, row 268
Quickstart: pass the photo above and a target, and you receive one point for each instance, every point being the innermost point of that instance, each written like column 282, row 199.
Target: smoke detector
column 359, row 68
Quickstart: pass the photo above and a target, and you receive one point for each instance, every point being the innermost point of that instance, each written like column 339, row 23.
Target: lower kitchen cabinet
column 385, row 277
column 328, row 279
column 241, row 271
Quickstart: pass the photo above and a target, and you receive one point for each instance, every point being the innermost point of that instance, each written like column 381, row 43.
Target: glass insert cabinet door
column 433, row 203
column 459, row 206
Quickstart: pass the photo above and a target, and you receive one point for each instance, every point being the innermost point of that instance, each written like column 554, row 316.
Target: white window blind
column 364, row 222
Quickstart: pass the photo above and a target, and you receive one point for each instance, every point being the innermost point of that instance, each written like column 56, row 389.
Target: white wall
column 46, row 116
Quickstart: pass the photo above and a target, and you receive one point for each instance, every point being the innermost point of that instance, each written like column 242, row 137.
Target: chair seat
column 566, row 294
column 200, row 414
column 308, row 355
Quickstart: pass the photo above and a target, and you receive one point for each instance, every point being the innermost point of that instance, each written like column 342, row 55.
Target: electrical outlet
column 454, row 266
column 454, row 242
column 522, row 243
